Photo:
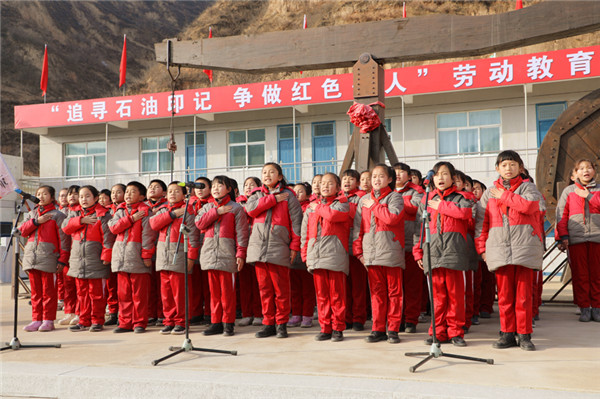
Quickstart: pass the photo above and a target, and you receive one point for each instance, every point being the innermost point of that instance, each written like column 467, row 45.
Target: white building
column 465, row 112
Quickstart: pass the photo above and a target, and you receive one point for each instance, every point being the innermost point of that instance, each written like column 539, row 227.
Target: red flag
column 123, row 67
column 519, row 5
column 209, row 72
column 44, row 80
column 403, row 9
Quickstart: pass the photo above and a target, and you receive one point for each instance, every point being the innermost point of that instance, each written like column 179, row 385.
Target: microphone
column 27, row 196
column 428, row 177
column 192, row 184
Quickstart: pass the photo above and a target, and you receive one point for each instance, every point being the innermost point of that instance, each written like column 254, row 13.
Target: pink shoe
column 47, row 325
column 33, row 326
column 294, row 321
column 307, row 322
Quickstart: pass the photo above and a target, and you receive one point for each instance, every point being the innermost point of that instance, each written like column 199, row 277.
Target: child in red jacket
column 157, row 190
column 91, row 250
column 578, row 230
column 46, row 252
column 71, row 305
column 132, row 258
column 167, row 221
column 111, row 290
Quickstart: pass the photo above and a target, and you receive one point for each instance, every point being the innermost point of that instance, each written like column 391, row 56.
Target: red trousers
column 70, row 295
column 222, row 296
column 488, row 289
column 449, row 303
column 514, row 298
column 330, row 288
column 92, row 303
column 249, row 295
column 585, row 266
column 44, row 296
column 60, row 286
column 412, row 282
column 303, row 298
column 386, row 297
column 133, row 299
column 275, row 292
column 111, row 292
column 155, row 306
column 469, row 296
column 173, row 297
column 356, row 292
column 537, row 288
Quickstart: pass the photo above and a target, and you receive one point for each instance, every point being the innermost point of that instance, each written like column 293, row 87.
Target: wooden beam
column 397, row 40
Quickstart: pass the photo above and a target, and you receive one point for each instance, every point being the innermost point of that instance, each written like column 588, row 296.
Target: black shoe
column 586, row 315
column 178, row 330
column 96, row 328
column 266, row 331
column 228, row 330
column 466, row 329
column 410, row 328
column 197, row 320
column 322, row 336
column 376, row 336
column 402, row 327
column 139, row 330
column 429, row 341
column 78, row 327
column 159, row 323
column 393, row 337
column 282, row 330
column 167, row 330
column 475, row 320
column 337, row 336
column 358, row 326
column 152, row 321
column 349, row 326
column 506, row 340
column 485, row 315
column 111, row 320
column 525, row 343
column 214, row 329
column 119, row 330
column 458, row 341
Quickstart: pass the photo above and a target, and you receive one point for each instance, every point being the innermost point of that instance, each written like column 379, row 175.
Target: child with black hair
column 167, row 221
column 91, row 252
column 156, row 192
column 111, row 290
column 104, row 198
column 274, row 244
column 450, row 215
column 303, row 298
column 223, row 252
column 509, row 238
column 365, row 181
column 412, row 277
column 325, row 236
column 249, row 295
column 316, row 181
column 485, row 281
column 46, row 252
column 416, row 177
column 71, row 305
column 356, row 282
column 61, row 203
column 378, row 244
column 132, row 258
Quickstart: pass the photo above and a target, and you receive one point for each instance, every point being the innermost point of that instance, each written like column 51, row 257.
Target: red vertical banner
column 44, row 80
column 209, row 72
column 123, row 67
column 404, row 9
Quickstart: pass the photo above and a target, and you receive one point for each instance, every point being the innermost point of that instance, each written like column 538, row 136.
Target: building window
column 155, row 156
column 324, row 151
column 545, row 115
column 246, row 147
column 85, row 159
column 468, row 132
column 195, row 154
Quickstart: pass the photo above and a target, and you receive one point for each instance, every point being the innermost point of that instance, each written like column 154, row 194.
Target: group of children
column 344, row 243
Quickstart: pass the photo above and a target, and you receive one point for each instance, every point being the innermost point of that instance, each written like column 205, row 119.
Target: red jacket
column 47, row 245
column 411, row 195
column 135, row 241
column 91, row 244
column 577, row 218
column 354, row 197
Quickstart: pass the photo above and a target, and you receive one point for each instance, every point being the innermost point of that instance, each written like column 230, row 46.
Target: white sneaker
column 257, row 321
column 66, row 320
column 245, row 321
column 75, row 321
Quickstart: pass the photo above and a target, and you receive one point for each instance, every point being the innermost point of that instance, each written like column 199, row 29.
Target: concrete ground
column 107, row 365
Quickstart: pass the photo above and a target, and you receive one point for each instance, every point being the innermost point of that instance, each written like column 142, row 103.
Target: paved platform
column 107, row 365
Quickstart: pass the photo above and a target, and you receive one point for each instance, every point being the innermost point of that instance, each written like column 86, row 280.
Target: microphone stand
column 187, row 342
column 15, row 344
column 435, row 351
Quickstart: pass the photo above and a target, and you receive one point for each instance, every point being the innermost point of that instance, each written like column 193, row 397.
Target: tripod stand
column 187, row 342
column 435, row 351
column 15, row 344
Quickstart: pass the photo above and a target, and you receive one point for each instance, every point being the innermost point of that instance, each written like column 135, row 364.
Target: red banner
column 549, row 66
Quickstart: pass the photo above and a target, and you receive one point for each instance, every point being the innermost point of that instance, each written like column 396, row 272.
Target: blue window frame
column 285, row 150
column 323, row 144
column 195, row 155
column 545, row 115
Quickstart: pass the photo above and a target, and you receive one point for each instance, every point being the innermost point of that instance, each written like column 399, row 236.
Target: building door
column 285, row 150
column 546, row 114
column 323, row 144
column 195, row 155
